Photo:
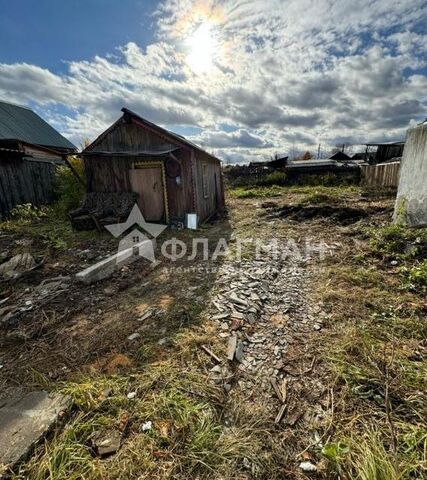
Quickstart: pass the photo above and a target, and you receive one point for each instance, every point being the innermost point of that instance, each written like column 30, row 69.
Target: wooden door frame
column 142, row 165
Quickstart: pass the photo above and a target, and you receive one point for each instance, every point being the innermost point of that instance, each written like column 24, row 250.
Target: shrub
column 326, row 179
column 417, row 276
column 68, row 189
column 262, row 180
column 27, row 212
column 273, row 178
column 400, row 241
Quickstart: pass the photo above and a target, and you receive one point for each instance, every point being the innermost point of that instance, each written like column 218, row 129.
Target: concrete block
column 24, row 421
column 105, row 268
column 411, row 202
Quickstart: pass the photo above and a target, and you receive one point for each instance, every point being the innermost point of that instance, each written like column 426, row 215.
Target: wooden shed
column 383, row 152
column 30, row 152
column 171, row 175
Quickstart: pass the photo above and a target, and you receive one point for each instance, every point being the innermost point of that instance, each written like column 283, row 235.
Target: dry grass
column 372, row 355
column 190, row 438
column 376, row 350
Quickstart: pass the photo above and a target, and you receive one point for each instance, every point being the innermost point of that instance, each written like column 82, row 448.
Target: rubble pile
column 260, row 308
column 13, row 307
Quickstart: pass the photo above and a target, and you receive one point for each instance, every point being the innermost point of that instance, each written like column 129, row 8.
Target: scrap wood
column 210, row 353
column 282, row 393
column 309, row 370
column 280, row 414
column 4, row 300
column 276, row 389
column 232, row 346
column 284, row 390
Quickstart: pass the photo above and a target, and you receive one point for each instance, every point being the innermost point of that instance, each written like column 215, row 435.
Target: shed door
column 148, row 183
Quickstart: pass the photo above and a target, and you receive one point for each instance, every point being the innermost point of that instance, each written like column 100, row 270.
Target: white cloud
column 287, row 74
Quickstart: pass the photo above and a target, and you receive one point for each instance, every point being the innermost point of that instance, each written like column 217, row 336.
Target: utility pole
column 318, row 152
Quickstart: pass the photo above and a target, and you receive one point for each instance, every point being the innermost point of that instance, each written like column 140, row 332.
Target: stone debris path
column 261, row 309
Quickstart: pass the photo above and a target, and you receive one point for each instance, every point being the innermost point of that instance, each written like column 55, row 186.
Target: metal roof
column 387, row 144
column 311, row 163
column 139, row 153
column 21, row 123
column 339, row 156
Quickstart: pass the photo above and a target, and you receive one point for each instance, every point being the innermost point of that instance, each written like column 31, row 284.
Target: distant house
column 30, row 151
column 340, row 157
column 275, row 164
column 171, row 175
column 295, row 169
column 383, row 152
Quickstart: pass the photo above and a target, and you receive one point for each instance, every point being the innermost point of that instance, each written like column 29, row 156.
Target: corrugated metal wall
column 381, row 175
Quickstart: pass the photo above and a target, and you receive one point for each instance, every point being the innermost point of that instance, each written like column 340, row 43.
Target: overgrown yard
column 331, row 380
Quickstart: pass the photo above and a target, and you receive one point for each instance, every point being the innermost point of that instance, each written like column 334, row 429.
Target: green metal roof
column 21, row 123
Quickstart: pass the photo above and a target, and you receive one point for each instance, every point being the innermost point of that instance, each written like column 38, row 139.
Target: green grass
column 256, row 192
column 376, row 345
column 51, row 224
column 399, row 241
column 417, row 276
column 68, row 189
column 46, row 225
column 314, row 194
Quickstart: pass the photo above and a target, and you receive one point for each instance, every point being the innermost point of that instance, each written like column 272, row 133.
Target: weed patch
column 399, row 241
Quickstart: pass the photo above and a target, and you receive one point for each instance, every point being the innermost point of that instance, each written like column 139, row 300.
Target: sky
column 245, row 79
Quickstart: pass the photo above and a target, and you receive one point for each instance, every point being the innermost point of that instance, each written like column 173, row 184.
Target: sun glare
column 202, row 47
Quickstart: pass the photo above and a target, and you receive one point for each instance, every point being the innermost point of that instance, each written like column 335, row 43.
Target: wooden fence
column 381, row 175
column 25, row 181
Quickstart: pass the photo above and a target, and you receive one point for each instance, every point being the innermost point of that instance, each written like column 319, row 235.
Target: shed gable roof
column 21, row 123
column 171, row 137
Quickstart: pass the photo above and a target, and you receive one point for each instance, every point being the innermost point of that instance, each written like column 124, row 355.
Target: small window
column 205, row 180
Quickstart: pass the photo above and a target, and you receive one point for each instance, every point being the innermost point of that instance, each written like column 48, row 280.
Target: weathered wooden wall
column 385, row 152
column 25, row 181
column 209, row 185
column 381, row 175
column 110, row 173
column 129, row 137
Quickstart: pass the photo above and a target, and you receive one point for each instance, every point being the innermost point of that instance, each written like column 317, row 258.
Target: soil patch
column 342, row 215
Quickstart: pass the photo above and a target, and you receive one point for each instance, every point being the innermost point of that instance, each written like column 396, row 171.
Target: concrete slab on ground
column 105, row 268
column 24, row 421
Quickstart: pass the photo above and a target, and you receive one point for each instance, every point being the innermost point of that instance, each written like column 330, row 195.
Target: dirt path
column 262, row 309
